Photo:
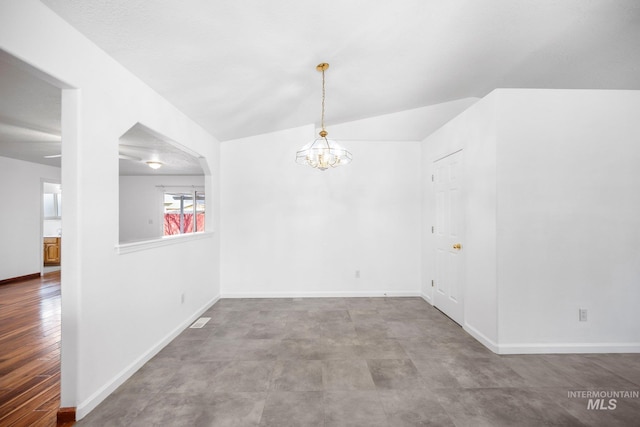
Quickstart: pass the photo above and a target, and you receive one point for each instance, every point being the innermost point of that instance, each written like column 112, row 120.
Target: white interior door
column 448, row 231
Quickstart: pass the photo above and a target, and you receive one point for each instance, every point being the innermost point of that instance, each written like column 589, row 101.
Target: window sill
column 126, row 248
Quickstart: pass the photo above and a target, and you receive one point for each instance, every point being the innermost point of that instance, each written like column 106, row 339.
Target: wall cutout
column 161, row 187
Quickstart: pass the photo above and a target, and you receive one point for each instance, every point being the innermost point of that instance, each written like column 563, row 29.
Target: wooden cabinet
column 52, row 251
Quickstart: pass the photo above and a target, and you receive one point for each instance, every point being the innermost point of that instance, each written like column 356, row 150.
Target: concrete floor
column 359, row 362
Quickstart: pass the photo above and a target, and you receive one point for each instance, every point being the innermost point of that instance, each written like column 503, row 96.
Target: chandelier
column 323, row 153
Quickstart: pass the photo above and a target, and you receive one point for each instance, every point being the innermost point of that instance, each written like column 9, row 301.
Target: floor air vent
column 200, row 322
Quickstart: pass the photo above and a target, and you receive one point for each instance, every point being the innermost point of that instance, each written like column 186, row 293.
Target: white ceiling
column 30, row 128
column 140, row 145
column 241, row 68
column 29, row 114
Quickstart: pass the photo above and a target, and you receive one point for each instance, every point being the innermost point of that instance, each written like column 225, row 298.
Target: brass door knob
column 457, row 246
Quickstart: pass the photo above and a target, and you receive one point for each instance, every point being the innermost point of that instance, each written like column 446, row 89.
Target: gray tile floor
column 358, row 362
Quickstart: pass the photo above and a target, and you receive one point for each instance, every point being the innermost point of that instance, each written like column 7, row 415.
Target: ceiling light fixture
column 154, row 164
column 323, row 153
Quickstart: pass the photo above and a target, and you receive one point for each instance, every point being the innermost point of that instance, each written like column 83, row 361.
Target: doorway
column 34, row 109
column 51, row 226
column 448, row 232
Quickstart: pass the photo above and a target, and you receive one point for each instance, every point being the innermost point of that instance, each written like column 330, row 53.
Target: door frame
column 44, row 181
column 461, row 275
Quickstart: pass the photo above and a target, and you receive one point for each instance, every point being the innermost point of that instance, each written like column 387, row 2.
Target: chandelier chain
column 323, row 153
column 323, row 94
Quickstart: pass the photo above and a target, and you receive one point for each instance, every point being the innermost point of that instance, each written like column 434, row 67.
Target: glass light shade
column 154, row 164
column 322, row 154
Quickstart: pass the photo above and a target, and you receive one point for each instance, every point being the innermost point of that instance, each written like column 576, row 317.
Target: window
column 52, row 205
column 183, row 212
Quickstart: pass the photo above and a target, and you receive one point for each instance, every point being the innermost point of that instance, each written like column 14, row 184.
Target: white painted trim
column 482, row 338
column 426, row 297
column 442, row 157
column 336, row 294
column 103, row 392
column 546, row 348
column 144, row 245
column 557, row 348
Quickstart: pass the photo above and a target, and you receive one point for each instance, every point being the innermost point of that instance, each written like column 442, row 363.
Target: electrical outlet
column 357, row 274
column 582, row 313
column 182, row 298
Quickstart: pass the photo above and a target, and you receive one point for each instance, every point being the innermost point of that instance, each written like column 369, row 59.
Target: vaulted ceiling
column 247, row 67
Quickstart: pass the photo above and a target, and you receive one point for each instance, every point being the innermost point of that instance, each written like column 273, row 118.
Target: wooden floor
column 30, row 351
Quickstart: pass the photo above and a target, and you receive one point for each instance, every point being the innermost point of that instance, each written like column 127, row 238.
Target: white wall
column 552, row 219
column 52, row 227
column 408, row 125
column 20, row 217
column 276, row 213
column 117, row 309
column 141, row 203
column 473, row 132
column 290, row 230
column 569, row 220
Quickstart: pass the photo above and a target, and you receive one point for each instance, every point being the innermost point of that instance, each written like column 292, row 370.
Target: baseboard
column 551, row 348
column 337, row 294
column 20, row 278
column 482, row 338
column 96, row 398
column 426, row 297
column 564, row 348
column 66, row 415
